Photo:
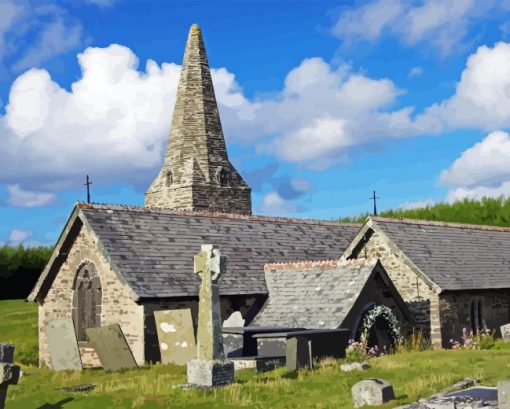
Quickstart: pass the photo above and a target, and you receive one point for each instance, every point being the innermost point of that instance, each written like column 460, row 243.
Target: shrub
column 483, row 340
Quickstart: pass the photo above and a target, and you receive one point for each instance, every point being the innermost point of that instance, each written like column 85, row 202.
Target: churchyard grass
column 413, row 375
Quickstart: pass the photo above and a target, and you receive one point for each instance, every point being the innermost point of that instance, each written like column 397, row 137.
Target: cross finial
column 374, row 198
column 88, row 183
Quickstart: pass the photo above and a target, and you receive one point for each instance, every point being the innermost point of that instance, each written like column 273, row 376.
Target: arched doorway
column 379, row 328
column 86, row 300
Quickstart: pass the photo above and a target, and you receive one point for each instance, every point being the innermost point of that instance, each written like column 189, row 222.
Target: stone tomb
column 111, row 347
column 9, row 373
column 63, row 346
column 210, row 368
column 176, row 336
column 372, row 392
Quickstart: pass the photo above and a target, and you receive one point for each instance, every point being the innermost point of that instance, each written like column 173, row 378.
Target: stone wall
column 420, row 298
column 117, row 302
column 455, row 311
column 247, row 305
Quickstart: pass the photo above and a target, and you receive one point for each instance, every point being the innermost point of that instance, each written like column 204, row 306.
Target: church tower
column 196, row 172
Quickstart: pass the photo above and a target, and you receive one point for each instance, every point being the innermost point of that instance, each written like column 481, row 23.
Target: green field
column 413, row 375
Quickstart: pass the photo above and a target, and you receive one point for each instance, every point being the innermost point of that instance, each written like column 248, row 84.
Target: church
column 119, row 264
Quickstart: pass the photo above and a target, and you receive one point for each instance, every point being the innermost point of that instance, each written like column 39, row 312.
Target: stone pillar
column 210, row 368
column 9, row 373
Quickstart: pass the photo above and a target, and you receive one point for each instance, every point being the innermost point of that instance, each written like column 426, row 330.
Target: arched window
column 223, row 177
column 169, row 179
column 86, row 300
column 477, row 316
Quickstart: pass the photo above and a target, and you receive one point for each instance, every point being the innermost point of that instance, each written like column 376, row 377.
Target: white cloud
column 273, row 203
column 443, row 24
column 418, row 204
column 18, row 197
column 416, row 72
column 102, row 3
column 482, row 170
column 482, row 97
column 18, row 236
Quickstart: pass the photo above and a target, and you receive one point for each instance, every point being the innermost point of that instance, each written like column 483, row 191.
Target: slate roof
column 454, row 256
column 153, row 249
column 312, row 294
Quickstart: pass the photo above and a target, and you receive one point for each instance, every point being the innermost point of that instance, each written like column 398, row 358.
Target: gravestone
column 111, row 347
column 505, row 332
column 9, row 373
column 504, row 394
column 234, row 320
column 176, row 336
column 210, row 368
column 298, row 354
column 63, row 345
column 372, row 392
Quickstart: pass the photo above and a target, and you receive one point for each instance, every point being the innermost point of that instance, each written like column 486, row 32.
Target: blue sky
column 322, row 102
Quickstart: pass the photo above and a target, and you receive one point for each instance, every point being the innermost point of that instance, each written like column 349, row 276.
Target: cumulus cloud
column 416, row 72
column 274, row 203
column 482, row 170
column 482, row 96
column 443, row 24
column 18, row 236
column 18, row 197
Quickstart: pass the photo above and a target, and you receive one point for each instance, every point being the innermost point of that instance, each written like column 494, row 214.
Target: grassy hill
column 413, row 375
column 489, row 211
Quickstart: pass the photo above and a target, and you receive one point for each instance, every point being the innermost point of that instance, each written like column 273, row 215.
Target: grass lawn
column 413, row 375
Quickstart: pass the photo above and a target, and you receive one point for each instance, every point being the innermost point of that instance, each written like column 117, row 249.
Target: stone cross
column 210, row 368
column 209, row 264
column 9, row 373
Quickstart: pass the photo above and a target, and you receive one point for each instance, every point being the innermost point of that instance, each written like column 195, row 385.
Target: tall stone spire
column 196, row 172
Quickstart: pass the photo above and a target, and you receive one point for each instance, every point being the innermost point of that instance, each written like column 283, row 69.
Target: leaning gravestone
column 176, row 336
column 9, row 373
column 111, row 347
column 62, row 345
column 210, row 368
column 505, row 332
column 504, row 394
column 372, row 392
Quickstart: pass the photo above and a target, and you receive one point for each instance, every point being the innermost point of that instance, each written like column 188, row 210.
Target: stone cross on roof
column 196, row 172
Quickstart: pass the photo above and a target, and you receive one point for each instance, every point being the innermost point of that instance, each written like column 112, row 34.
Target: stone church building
column 119, row 264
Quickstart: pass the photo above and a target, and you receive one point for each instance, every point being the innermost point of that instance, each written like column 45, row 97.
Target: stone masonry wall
column 117, row 304
column 455, row 310
column 421, row 300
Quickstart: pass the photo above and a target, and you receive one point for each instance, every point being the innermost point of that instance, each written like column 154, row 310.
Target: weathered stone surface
column 298, row 354
column 233, row 345
column 504, row 394
column 196, row 172
column 355, row 366
column 210, row 373
column 235, row 320
column 210, row 368
column 9, row 373
column 505, row 332
column 112, row 348
column 372, row 392
column 176, row 336
column 62, row 345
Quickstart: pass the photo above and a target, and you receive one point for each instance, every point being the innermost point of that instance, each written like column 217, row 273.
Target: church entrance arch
column 379, row 328
column 86, row 300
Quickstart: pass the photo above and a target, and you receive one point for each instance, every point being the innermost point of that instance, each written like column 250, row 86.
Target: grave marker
column 176, row 336
column 9, row 373
column 63, row 346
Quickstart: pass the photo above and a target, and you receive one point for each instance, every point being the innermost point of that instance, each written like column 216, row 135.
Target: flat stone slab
column 176, row 336
column 471, row 398
column 111, row 347
column 62, row 345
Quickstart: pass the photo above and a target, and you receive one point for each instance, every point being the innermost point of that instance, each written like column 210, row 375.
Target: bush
column 483, row 340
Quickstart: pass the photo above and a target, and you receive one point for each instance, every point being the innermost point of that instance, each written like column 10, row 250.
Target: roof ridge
column 290, row 265
column 471, row 226
column 206, row 213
